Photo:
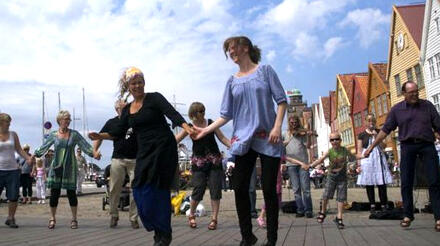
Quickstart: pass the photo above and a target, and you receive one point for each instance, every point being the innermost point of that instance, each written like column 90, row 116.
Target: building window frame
column 419, row 76
column 436, row 101
column 384, row 103
column 431, row 68
column 372, row 106
column 398, row 85
column 437, row 63
column 409, row 75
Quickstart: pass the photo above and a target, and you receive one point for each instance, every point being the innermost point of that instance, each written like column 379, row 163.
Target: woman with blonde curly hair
column 63, row 170
column 156, row 159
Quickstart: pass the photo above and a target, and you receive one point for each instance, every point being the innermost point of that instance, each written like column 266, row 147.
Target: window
column 384, row 103
column 398, row 86
column 365, row 115
column 419, row 76
column 372, row 108
column 379, row 107
column 409, row 75
column 431, row 68
column 437, row 62
column 357, row 120
column 436, row 102
column 437, row 25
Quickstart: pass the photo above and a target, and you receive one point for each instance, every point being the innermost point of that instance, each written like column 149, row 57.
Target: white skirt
column 373, row 170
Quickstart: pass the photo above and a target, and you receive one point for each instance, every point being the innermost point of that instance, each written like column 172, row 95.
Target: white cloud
column 299, row 23
column 271, row 55
column 289, row 68
column 371, row 23
column 331, row 45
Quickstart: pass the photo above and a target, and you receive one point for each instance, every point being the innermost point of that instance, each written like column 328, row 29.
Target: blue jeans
column 10, row 179
column 300, row 181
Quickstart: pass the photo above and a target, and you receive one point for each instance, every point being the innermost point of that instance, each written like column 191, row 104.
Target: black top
column 156, row 158
column 206, row 145
column 415, row 121
column 124, row 147
column 365, row 137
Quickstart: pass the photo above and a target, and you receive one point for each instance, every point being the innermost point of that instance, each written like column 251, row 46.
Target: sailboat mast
column 42, row 121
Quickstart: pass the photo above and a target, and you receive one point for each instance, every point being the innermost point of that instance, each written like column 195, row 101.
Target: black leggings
column 55, row 195
column 244, row 166
column 382, row 194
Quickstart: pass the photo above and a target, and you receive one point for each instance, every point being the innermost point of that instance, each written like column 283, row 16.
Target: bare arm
column 295, row 161
column 215, row 125
column 97, row 144
column 181, row 135
column 20, row 151
column 100, row 136
column 319, row 160
column 275, row 133
column 225, row 141
column 380, row 137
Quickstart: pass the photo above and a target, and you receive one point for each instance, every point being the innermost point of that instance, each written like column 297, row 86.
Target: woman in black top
column 206, row 165
column 156, row 158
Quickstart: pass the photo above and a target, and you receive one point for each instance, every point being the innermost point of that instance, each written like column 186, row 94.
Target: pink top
column 40, row 172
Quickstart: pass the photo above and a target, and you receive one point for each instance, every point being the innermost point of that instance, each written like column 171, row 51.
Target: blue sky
column 63, row 46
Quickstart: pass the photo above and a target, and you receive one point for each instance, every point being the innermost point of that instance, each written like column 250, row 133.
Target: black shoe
column 249, row 242
column 309, row 215
column 254, row 215
column 270, row 243
column 299, row 215
column 11, row 223
column 113, row 222
column 163, row 240
column 156, row 237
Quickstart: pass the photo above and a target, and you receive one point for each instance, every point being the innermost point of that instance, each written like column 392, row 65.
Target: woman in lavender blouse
column 248, row 100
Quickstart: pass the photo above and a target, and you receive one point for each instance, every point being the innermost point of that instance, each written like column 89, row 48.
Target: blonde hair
column 194, row 109
column 62, row 114
column 39, row 162
column 5, row 117
column 127, row 75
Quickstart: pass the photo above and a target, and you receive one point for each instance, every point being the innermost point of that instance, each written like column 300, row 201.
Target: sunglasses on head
column 334, row 139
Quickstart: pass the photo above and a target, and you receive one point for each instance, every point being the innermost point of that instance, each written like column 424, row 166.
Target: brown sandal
column 74, row 224
column 437, row 226
column 406, row 223
column 192, row 221
column 51, row 224
column 213, row 224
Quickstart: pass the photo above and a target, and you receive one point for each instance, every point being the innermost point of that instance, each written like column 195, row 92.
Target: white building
column 430, row 51
column 321, row 114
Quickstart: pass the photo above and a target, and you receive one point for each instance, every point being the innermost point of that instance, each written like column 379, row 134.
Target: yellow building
column 404, row 50
column 344, row 102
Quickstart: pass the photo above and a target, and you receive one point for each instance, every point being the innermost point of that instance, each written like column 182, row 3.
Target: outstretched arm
column 225, row 141
column 212, row 127
column 319, row 161
column 181, row 135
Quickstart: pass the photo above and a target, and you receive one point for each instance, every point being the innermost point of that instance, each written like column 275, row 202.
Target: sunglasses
column 201, row 111
column 334, row 139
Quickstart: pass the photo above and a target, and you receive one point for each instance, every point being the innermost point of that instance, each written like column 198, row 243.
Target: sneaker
column 43, row 201
column 39, row 202
column 113, row 222
column 135, row 224
column 299, row 215
column 254, row 215
column 261, row 222
column 309, row 215
column 11, row 223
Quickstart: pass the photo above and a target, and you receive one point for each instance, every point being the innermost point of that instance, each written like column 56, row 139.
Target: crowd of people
column 145, row 149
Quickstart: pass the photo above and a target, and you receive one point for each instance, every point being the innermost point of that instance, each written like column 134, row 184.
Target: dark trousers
column 428, row 155
column 382, row 194
column 55, row 196
column 26, row 184
column 244, row 166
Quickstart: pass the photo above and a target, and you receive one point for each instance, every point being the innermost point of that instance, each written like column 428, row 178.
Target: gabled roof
column 347, row 83
column 325, row 102
column 413, row 16
column 381, row 70
column 361, row 86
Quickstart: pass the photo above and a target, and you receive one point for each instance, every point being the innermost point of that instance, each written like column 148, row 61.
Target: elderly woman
column 156, row 159
column 63, row 170
column 248, row 100
column 206, row 166
column 9, row 168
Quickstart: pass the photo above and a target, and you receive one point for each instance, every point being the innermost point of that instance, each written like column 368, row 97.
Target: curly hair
column 127, row 75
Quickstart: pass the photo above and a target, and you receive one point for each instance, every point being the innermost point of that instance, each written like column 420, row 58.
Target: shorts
column 212, row 178
column 338, row 182
column 10, row 179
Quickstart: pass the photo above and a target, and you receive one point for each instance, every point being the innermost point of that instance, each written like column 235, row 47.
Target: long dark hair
column 254, row 51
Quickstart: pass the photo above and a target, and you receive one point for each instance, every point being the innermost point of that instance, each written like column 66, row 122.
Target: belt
column 415, row 140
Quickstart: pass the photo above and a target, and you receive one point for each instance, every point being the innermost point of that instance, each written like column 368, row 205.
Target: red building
column 360, row 105
column 333, row 112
